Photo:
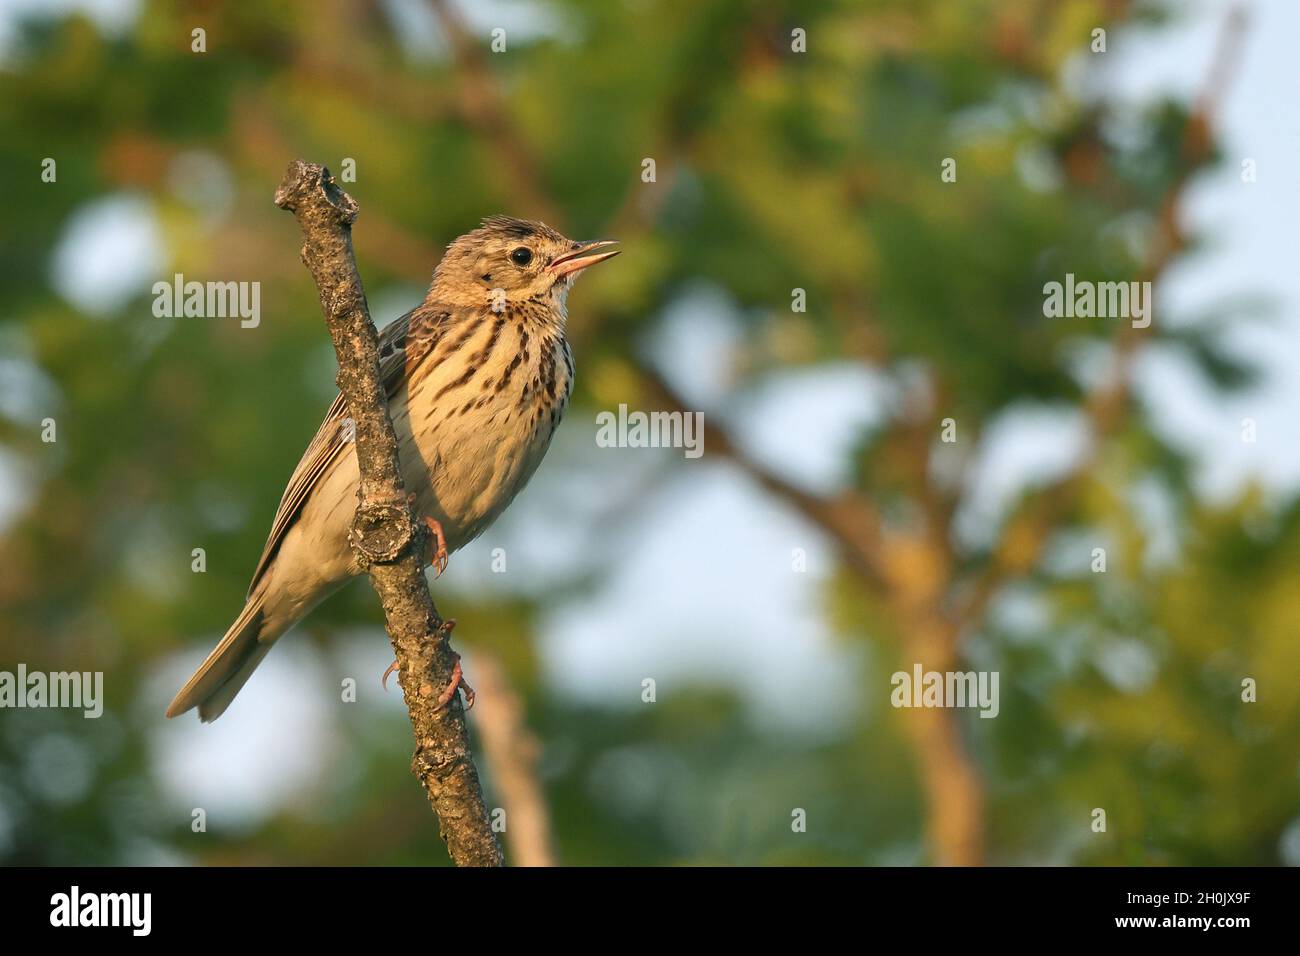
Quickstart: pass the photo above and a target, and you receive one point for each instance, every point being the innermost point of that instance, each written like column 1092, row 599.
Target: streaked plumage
column 478, row 377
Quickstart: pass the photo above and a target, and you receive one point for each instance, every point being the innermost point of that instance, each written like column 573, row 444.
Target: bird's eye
column 521, row 256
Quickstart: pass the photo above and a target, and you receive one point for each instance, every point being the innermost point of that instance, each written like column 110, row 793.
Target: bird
column 478, row 377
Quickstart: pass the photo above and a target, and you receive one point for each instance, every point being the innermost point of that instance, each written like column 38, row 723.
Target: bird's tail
column 220, row 677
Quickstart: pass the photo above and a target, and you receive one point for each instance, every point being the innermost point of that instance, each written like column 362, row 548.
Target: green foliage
column 776, row 171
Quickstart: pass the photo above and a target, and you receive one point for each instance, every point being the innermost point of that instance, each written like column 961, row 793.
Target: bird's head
column 510, row 260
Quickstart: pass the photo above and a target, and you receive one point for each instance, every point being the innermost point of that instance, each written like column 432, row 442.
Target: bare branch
column 385, row 537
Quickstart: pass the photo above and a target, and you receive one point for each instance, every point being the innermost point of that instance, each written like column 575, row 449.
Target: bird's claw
column 457, row 682
column 440, row 555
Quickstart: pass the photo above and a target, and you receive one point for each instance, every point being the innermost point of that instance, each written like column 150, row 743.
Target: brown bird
column 477, row 378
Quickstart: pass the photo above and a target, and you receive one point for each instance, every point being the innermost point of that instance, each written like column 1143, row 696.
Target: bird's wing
column 330, row 441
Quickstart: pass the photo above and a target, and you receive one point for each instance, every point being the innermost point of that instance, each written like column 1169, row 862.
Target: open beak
column 585, row 255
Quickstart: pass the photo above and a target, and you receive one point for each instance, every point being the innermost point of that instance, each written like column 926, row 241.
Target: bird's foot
column 457, row 682
column 438, row 553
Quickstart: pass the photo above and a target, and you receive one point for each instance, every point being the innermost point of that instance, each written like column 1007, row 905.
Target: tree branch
column 848, row 518
column 385, row 538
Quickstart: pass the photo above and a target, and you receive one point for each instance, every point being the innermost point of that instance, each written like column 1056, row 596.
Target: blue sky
column 1253, row 247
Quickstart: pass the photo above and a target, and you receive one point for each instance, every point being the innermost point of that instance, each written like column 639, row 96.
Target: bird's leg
column 457, row 682
column 439, row 555
column 457, row 675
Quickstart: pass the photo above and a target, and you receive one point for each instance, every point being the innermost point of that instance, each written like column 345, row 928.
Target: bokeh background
column 826, row 538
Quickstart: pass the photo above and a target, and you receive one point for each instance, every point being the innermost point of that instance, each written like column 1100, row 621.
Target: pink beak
column 580, row 258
